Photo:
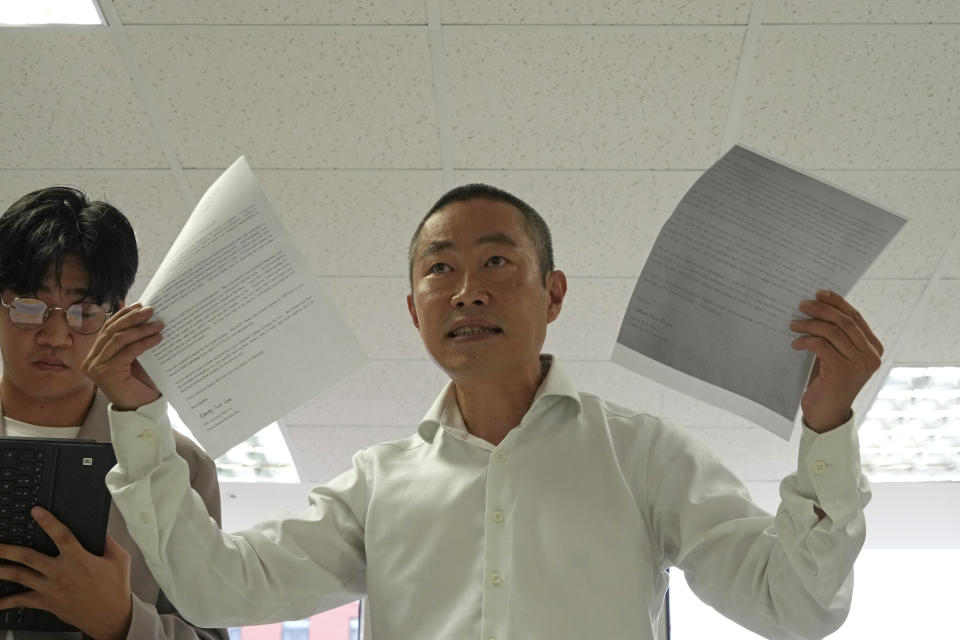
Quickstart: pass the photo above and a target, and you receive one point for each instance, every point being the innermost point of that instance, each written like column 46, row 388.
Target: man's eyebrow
column 83, row 293
column 496, row 238
column 435, row 247
column 491, row 238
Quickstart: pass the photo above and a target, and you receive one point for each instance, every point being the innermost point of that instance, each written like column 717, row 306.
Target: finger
column 21, row 575
column 125, row 311
column 109, row 345
column 39, row 562
column 825, row 312
column 126, row 318
column 114, row 550
column 829, row 332
column 62, row 537
column 27, row 599
column 820, row 347
column 128, row 354
column 841, row 303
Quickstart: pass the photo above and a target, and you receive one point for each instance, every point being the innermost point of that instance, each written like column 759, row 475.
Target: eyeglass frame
column 49, row 308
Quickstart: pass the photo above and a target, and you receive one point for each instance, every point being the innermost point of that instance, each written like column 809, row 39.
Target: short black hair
column 533, row 224
column 44, row 227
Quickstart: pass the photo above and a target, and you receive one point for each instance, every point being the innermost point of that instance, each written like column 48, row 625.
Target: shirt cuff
column 829, row 470
column 141, row 438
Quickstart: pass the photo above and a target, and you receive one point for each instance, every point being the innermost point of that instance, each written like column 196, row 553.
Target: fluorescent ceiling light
column 912, row 431
column 24, row 12
column 263, row 457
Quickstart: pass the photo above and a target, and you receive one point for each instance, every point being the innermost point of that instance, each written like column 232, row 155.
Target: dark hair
column 534, row 225
column 44, row 227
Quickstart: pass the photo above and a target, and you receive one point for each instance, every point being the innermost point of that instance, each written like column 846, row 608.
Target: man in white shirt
column 521, row 508
column 66, row 264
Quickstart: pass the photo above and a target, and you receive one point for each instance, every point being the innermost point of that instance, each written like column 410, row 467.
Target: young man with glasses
column 521, row 509
column 66, row 265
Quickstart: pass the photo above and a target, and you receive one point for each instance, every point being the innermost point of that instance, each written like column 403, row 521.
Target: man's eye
column 438, row 267
column 497, row 261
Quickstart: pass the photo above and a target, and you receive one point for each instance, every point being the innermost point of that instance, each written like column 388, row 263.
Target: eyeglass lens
column 82, row 317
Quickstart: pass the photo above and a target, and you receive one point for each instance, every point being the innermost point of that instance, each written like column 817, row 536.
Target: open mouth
column 466, row 332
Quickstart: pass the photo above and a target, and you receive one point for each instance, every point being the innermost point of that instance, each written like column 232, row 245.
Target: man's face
column 478, row 297
column 44, row 364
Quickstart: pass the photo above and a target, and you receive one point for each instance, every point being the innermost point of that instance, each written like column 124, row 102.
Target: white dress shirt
column 564, row 531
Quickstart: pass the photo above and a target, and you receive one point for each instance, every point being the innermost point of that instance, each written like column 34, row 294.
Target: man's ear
column 413, row 311
column 556, row 290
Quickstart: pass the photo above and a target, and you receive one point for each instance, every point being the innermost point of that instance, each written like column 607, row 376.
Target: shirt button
column 498, row 516
column 147, row 434
column 501, row 456
column 819, row 466
column 144, row 517
column 496, row 578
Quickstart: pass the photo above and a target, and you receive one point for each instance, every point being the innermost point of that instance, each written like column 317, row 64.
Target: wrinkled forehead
column 471, row 222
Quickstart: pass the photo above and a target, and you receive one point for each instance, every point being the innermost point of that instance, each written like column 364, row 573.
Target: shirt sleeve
column 146, row 622
column 282, row 569
column 783, row 576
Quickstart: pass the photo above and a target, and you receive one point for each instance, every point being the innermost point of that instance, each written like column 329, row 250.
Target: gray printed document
column 710, row 313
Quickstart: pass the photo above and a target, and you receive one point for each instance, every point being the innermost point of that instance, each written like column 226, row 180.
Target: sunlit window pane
column 23, row 12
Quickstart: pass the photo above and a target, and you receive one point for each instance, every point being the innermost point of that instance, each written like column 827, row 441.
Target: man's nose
column 55, row 331
column 470, row 292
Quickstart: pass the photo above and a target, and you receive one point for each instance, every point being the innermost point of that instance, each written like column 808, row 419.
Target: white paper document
column 249, row 334
column 710, row 313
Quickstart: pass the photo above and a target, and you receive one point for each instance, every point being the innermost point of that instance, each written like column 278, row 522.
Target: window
column 898, row 593
column 342, row 623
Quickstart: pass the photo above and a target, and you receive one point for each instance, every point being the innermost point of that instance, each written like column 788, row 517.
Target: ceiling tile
column 68, row 102
column 294, row 97
column 617, row 385
column 384, row 392
column 932, row 336
column 150, row 200
column 596, row 12
column 275, row 12
column 751, row 453
column 692, row 412
column 603, row 98
column 376, row 310
column 347, row 223
column 928, row 199
column 831, row 11
column 886, row 305
column 877, row 98
column 587, row 327
column 603, row 223
column 323, row 452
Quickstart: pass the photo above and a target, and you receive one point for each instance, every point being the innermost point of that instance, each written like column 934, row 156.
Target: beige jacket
column 154, row 618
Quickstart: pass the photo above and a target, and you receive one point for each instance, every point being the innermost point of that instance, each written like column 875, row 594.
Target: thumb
column 114, row 550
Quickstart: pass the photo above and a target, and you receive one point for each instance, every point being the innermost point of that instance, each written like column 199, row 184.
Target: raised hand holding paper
column 248, row 334
column 711, row 311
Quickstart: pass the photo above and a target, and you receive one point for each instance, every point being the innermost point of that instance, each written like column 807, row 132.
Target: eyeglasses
column 29, row 314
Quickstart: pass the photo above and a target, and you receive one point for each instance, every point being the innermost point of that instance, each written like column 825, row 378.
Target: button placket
column 495, row 573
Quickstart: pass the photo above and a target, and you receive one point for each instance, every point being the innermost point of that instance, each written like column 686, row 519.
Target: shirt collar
column 445, row 412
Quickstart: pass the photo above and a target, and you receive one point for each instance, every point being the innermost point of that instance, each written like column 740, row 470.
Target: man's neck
column 491, row 407
column 69, row 411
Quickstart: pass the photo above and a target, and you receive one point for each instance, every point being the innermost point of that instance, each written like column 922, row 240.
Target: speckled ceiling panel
column 149, row 199
column 596, row 12
column 874, row 11
column 294, row 97
column 589, row 98
column 275, row 12
column 68, row 102
column 933, row 336
column 856, row 98
column 929, row 200
column 347, row 223
column 603, row 222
